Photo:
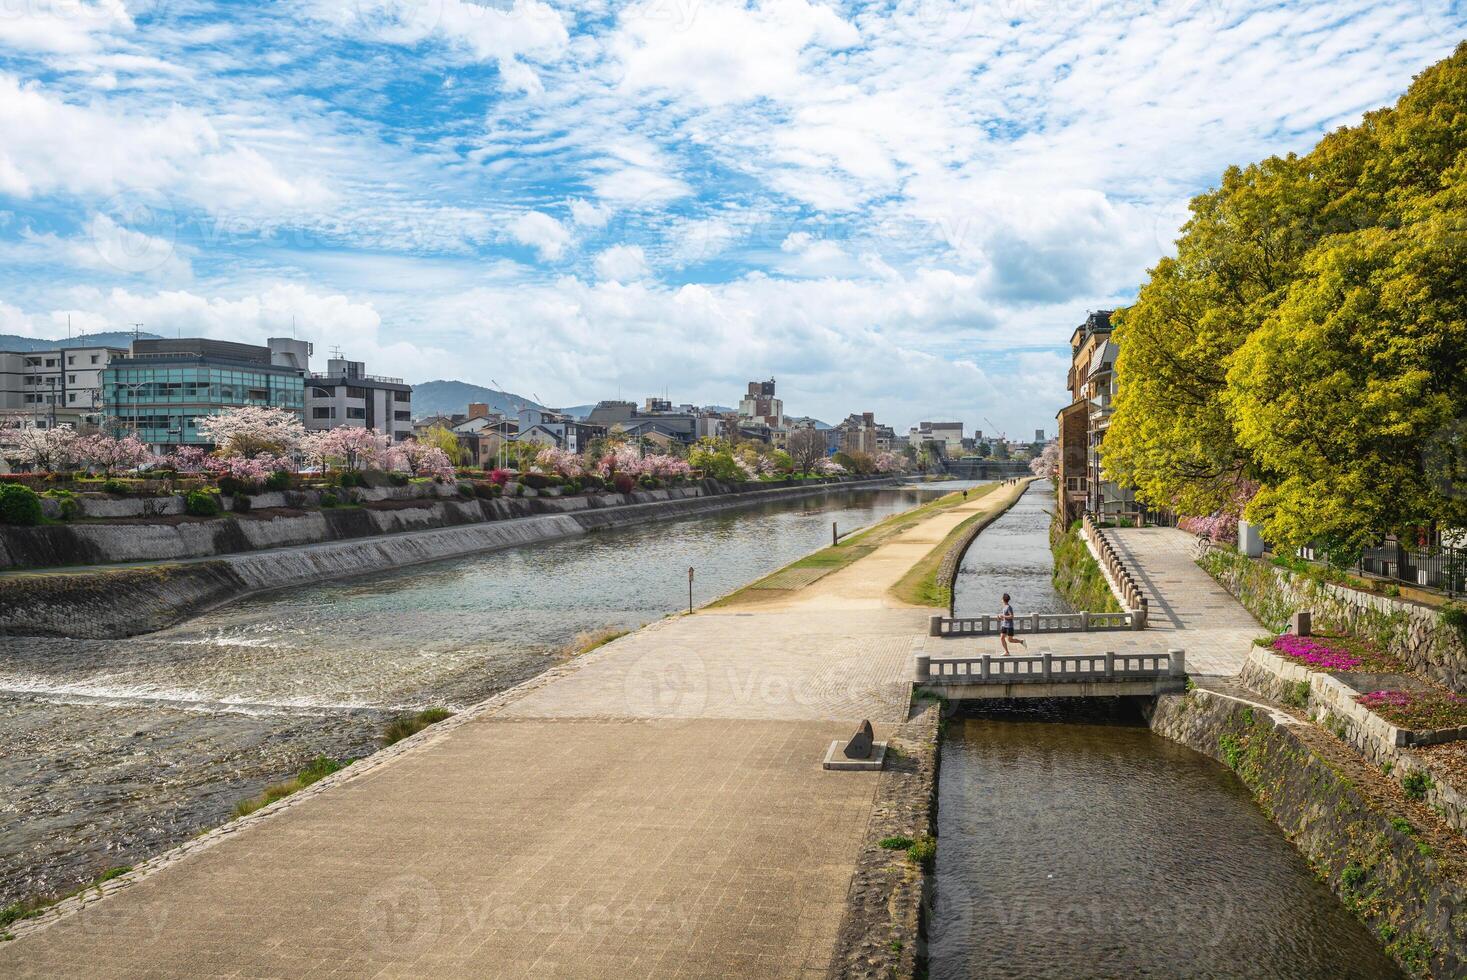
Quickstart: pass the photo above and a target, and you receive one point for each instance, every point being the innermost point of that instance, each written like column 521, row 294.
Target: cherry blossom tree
column 251, row 430
column 666, row 467
column 419, row 459
column 44, row 449
column 553, row 459
column 889, row 462
column 1046, row 464
column 188, row 459
column 826, row 466
column 109, row 454
column 348, row 447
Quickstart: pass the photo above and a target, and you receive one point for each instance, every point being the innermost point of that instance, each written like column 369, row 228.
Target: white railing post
column 1178, row 660
column 986, row 660
column 1035, row 624
column 924, row 667
column 1047, row 668
column 1085, row 621
column 934, row 626
column 1110, row 665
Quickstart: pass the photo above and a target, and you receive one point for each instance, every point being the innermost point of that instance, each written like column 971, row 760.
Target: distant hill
column 453, row 397
column 110, row 338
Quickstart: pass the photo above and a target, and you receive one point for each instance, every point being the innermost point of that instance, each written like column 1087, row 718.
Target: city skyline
column 897, row 209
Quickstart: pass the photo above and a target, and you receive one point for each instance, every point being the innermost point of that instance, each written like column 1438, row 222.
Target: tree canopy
column 1309, row 335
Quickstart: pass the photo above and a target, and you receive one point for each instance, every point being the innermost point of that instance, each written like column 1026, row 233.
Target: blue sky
column 892, row 207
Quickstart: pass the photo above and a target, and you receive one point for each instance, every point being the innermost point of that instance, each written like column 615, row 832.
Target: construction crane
column 1001, row 434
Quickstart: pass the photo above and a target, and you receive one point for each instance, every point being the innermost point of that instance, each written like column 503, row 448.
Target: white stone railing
column 1048, row 668
column 1080, row 622
column 1122, row 581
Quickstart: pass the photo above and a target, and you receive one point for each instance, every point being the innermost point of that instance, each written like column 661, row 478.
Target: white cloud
column 622, row 263
column 542, row 232
column 55, row 146
column 61, row 26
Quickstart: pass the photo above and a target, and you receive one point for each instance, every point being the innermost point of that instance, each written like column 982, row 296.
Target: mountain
column 453, row 397
column 110, row 338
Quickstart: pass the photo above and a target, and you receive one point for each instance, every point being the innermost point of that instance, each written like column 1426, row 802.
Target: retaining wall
column 107, row 603
column 1331, row 703
column 1415, row 634
column 1403, row 880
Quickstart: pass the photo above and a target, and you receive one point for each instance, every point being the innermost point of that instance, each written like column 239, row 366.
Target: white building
column 949, row 434
column 345, row 394
column 61, row 385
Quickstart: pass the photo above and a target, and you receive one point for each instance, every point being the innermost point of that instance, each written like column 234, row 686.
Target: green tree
column 441, row 438
column 1309, row 336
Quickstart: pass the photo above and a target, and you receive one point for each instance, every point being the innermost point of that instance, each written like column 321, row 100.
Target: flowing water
column 113, row 750
column 1077, row 843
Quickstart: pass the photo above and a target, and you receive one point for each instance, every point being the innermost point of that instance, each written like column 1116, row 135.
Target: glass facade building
column 161, row 397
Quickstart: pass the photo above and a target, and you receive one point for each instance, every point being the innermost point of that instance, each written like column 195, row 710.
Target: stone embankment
column 1393, row 861
column 1415, row 634
column 249, row 555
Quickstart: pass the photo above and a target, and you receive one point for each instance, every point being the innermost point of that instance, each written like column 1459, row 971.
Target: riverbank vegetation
column 923, row 584
column 315, row 771
column 1078, row 577
column 1300, row 360
column 400, row 728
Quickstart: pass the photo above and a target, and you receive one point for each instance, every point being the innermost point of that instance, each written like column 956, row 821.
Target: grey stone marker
column 1299, row 623
column 859, row 747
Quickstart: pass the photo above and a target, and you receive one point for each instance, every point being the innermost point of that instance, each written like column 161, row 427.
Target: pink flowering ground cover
column 1418, row 710
column 1333, row 653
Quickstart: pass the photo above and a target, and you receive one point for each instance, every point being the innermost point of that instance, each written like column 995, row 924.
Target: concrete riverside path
column 654, row 807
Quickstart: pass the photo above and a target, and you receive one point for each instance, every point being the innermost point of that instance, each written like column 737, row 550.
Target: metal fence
column 1444, row 568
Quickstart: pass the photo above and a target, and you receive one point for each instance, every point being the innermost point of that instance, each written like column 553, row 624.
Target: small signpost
column 690, row 589
column 834, row 536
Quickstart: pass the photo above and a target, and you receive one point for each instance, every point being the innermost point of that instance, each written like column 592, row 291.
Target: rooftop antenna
column 137, row 328
column 336, row 351
column 292, row 327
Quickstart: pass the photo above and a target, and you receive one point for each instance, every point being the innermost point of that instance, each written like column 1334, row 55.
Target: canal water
column 1074, row 842
column 111, row 751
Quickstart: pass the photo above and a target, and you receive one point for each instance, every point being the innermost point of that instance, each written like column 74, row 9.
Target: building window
column 70, row 359
column 71, row 396
column 96, row 358
column 71, row 379
column 356, row 413
column 402, row 396
column 50, row 362
column 323, row 413
column 403, row 416
column 352, row 392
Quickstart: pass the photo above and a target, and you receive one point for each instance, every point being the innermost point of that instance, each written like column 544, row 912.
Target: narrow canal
column 1076, row 843
column 111, row 751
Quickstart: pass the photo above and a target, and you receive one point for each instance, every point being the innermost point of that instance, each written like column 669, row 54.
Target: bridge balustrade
column 1080, row 622
column 1050, row 668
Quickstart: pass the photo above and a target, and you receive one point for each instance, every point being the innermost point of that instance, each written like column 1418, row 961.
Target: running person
column 1006, row 626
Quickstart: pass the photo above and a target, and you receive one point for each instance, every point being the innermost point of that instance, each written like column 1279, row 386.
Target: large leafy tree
column 1309, row 335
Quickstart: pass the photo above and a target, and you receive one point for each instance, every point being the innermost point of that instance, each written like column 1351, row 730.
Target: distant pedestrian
column 1006, row 627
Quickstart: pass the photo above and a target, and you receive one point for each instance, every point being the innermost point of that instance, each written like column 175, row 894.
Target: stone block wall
column 1413, row 633
column 1386, row 857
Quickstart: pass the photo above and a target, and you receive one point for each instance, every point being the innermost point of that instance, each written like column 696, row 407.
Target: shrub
column 499, row 477
column 398, row 479
column 232, row 486
column 1454, row 617
column 19, row 505
column 923, row 850
column 277, row 481
column 115, row 487
column 898, row 843
column 243, row 504
column 590, row 481
column 623, row 483
column 536, row 481
column 70, row 508
column 465, row 489
column 1416, row 783
column 202, row 503
column 351, row 478
column 649, row 482
column 329, row 500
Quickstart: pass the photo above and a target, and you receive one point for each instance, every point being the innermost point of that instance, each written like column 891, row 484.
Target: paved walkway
column 657, row 807
column 1187, row 610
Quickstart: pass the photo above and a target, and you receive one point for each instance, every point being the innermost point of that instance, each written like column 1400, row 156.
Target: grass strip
column 919, row 587
column 851, row 549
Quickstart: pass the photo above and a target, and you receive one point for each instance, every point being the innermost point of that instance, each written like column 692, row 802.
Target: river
column 1074, row 842
column 111, row 751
